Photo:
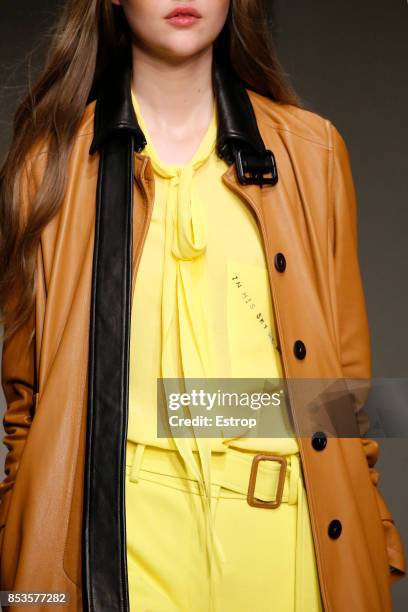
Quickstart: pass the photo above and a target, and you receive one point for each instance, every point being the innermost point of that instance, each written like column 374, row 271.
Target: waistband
column 230, row 470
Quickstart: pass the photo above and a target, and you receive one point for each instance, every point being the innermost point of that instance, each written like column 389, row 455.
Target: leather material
column 310, row 217
column 104, row 524
column 114, row 112
column 237, row 126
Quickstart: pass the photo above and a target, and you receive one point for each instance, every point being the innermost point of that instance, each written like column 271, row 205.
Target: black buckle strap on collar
column 238, row 138
column 256, row 165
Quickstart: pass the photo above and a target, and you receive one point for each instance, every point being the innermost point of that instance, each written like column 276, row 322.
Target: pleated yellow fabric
column 187, row 349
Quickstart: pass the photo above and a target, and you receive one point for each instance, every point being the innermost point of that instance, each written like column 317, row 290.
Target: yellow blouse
column 202, row 306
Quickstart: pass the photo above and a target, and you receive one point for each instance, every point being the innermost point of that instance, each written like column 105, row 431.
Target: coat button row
column 298, row 348
column 319, row 440
column 334, row 529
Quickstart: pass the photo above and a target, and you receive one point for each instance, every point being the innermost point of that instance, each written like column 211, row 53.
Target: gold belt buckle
column 253, row 501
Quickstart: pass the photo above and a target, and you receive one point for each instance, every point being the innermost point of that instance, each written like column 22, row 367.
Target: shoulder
column 35, row 162
column 294, row 123
column 83, row 135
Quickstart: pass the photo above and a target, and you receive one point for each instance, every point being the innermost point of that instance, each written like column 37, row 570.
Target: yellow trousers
column 268, row 554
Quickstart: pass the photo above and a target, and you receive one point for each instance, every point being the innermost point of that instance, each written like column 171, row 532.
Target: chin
column 184, row 52
column 184, row 47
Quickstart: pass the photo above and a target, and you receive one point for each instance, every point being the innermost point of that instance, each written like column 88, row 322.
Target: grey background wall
column 348, row 60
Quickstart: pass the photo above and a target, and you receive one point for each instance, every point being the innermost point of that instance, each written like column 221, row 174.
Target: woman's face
column 176, row 38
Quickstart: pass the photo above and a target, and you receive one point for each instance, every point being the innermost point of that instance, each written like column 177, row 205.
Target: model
column 172, row 217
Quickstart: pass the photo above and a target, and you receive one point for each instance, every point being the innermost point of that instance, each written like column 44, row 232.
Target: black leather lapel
column 237, row 124
column 104, row 528
column 114, row 112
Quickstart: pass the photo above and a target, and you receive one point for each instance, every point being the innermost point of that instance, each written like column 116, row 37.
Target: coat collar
column 238, row 137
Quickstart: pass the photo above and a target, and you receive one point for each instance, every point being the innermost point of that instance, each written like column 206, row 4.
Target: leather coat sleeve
column 354, row 333
column 18, row 383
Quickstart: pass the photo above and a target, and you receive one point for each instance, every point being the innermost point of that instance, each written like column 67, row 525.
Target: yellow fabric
column 226, row 243
column 269, row 553
column 201, row 308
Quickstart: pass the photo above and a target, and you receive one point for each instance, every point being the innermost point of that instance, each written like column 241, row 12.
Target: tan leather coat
column 309, row 216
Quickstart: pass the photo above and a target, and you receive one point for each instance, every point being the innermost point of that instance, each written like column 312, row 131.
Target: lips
column 183, row 11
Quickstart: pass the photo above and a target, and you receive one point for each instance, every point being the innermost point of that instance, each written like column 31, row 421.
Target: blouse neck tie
column 187, row 348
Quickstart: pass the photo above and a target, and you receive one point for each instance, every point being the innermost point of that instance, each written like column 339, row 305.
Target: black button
column 299, row 349
column 280, row 262
column 319, row 440
column 334, row 529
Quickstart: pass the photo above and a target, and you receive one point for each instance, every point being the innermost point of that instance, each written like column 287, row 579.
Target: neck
column 174, row 97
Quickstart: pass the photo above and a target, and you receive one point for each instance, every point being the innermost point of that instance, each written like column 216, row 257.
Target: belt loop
column 293, row 479
column 136, row 462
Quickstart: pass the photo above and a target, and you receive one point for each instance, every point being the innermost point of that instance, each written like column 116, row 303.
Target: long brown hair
column 89, row 36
